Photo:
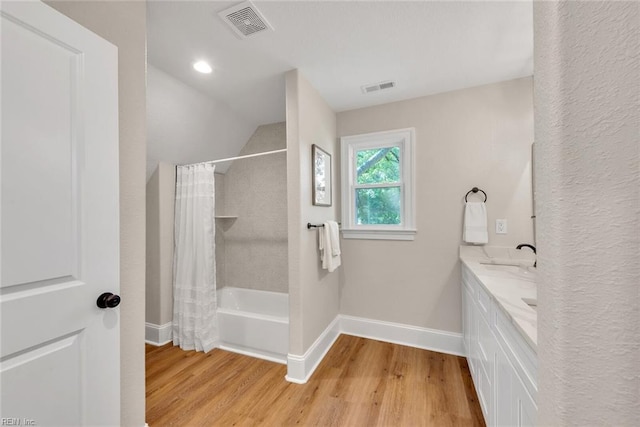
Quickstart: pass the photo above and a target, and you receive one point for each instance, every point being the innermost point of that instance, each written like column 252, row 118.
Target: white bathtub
column 255, row 323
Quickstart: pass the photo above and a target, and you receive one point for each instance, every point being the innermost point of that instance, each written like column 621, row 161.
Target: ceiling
column 425, row 47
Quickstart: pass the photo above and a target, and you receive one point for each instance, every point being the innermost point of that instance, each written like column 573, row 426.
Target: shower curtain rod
column 246, row 156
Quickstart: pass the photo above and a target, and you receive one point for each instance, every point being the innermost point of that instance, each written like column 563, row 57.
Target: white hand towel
column 322, row 245
column 334, row 234
column 475, row 223
column 329, row 261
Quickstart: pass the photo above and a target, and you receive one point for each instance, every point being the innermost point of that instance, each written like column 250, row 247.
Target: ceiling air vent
column 378, row 86
column 245, row 19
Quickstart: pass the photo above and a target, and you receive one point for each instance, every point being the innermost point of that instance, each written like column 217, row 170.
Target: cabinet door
column 485, row 352
column 505, row 400
column 526, row 406
column 466, row 320
column 474, row 359
column 486, row 344
column 484, row 388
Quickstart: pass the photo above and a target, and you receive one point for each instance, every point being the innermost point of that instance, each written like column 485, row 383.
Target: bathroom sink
column 531, row 302
column 501, row 267
column 519, row 271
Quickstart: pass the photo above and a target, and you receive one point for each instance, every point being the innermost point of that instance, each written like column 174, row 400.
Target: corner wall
column 313, row 292
column 480, row 137
column 125, row 25
column 221, row 226
column 152, row 276
column 160, row 219
column 587, row 106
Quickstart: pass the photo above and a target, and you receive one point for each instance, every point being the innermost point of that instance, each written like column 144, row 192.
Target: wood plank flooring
column 360, row 382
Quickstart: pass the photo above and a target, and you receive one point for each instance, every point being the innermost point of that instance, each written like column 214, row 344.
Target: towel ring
column 475, row 190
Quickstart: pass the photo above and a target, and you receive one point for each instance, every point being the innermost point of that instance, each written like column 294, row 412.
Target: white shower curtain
column 194, row 266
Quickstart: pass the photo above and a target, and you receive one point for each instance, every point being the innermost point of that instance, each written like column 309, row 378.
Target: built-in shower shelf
column 225, row 222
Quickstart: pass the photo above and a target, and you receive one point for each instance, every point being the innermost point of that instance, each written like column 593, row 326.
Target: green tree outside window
column 378, row 204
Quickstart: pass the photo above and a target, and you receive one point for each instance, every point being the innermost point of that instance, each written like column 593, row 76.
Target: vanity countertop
column 507, row 284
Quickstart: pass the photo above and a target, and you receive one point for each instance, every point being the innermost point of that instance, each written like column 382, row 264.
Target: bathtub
column 255, row 323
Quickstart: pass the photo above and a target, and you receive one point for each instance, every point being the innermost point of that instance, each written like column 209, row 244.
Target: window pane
column 378, row 205
column 379, row 165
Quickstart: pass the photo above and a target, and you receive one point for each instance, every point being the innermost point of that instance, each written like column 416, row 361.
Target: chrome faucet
column 533, row 248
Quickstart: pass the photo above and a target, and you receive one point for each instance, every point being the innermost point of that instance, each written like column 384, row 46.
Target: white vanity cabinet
column 502, row 364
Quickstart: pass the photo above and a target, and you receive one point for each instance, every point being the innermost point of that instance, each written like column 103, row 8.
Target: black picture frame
column 321, row 174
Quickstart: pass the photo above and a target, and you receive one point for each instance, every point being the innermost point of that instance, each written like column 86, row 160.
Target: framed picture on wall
column 321, row 161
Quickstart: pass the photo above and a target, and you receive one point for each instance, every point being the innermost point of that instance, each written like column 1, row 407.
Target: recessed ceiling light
column 202, row 67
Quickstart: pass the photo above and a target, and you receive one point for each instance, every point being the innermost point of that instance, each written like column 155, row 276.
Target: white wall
column 473, row 137
column 587, row 100
column 124, row 24
column 186, row 126
column 313, row 292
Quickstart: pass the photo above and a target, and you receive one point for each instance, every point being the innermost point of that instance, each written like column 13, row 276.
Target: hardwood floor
column 360, row 382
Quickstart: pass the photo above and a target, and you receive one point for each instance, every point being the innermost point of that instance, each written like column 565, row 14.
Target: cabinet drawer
column 477, row 292
column 484, row 303
column 469, row 281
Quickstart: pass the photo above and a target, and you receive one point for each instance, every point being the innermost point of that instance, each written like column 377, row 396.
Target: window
column 377, row 185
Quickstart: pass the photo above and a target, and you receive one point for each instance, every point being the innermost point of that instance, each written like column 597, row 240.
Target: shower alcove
column 251, row 249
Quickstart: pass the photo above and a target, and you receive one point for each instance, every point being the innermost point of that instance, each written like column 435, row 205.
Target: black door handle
column 108, row 300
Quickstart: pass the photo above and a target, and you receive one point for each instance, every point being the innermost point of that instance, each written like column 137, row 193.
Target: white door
column 59, row 230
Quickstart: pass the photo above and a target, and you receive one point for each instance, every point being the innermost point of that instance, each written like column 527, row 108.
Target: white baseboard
column 264, row 355
column 157, row 334
column 300, row 367
column 397, row 333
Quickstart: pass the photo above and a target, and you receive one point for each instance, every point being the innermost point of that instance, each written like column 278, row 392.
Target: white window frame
column 405, row 140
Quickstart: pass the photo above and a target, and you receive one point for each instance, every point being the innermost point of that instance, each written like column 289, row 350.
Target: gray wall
column 124, row 24
column 473, row 137
column 587, row 99
column 313, row 292
column 152, row 277
column 255, row 189
column 160, row 213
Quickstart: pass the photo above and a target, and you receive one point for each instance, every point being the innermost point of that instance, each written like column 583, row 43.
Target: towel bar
column 310, row 226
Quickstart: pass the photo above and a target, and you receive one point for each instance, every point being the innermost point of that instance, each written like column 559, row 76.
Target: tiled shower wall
column 251, row 251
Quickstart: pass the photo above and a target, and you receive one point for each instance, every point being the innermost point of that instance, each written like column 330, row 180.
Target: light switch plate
column 501, row 226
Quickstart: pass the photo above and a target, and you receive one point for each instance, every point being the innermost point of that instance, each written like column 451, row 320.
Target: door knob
column 108, row 300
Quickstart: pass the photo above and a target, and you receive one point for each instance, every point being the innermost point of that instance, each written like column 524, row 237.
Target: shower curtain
column 194, row 266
